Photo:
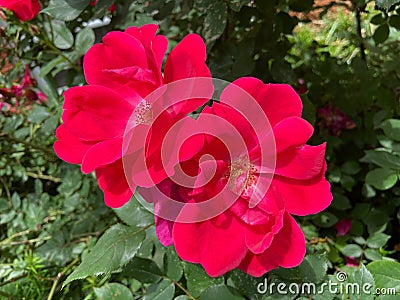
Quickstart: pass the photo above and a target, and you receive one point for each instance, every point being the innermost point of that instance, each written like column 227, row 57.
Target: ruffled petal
column 95, row 113
column 164, row 231
column 291, row 132
column 287, row 250
column 70, row 148
column 301, row 163
column 112, row 182
column 187, row 60
column 101, row 154
column 304, row 197
column 118, row 51
column 279, row 101
column 217, row 244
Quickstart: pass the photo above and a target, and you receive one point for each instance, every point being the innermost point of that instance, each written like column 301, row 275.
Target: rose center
column 241, row 177
column 143, row 113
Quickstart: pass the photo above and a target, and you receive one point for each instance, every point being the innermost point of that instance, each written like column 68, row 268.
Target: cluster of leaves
column 55, row 230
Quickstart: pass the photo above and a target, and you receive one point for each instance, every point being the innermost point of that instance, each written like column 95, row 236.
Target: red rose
column 121, row 71
column 255, row 231
column 25, row 10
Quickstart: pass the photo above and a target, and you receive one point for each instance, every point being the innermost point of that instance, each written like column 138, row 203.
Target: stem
column 14, row 279
column 359, row 32
column 45, row 177
column 59, row 275
column 181, row 287
column 34, row 146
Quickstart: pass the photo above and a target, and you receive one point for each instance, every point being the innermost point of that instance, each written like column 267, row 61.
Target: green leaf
column 391, row 128
column 172, row 264
column 313, row 268
column 382, row 179
column 113, row 291
column 46, row 69
column 66, row 10
column 221, row 292
column 394, row 21
column 114, row 249
column 377, row 240
column 340, row 201
column 352, row 250
column 38, row 114
column 382, row 158
column 215, row 22
column 244, row 283
column 197, row 280
column 386, row 4
column 4, row 205
column 386, row 274
column 142, row 269
column 16, row 200
column 325, row 219
column 381, row 34
column 134, row 214
column 62, row 36
column 164, row 290
column 372, row 254
column 362, row 278
column 351, row 167
column 84, row 40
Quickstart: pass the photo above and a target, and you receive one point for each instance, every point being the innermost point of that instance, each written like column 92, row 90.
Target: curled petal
column 101, row 154
column 304, row 197
column 187, row 60
column 301, row 163
column 279, row 101
column 70, row 148
column 291, row 132
column 287, row 250
column 112, row 181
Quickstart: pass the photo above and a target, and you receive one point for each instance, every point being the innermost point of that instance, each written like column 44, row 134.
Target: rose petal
column 112, row 181
column 70, row 148
column 292, row 132
column 218, row 244
column 287, row 250
column 95, row 113
column 187, row 60
column 279, row 101
column 304, row 197
column 103, row 153
column 301, row 163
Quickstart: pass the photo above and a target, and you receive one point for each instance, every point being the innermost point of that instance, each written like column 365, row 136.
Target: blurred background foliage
column 342, row 57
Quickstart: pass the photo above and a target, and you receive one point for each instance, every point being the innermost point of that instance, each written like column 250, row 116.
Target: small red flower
column 335, row 120
column 343, row 227
column 25, row 10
